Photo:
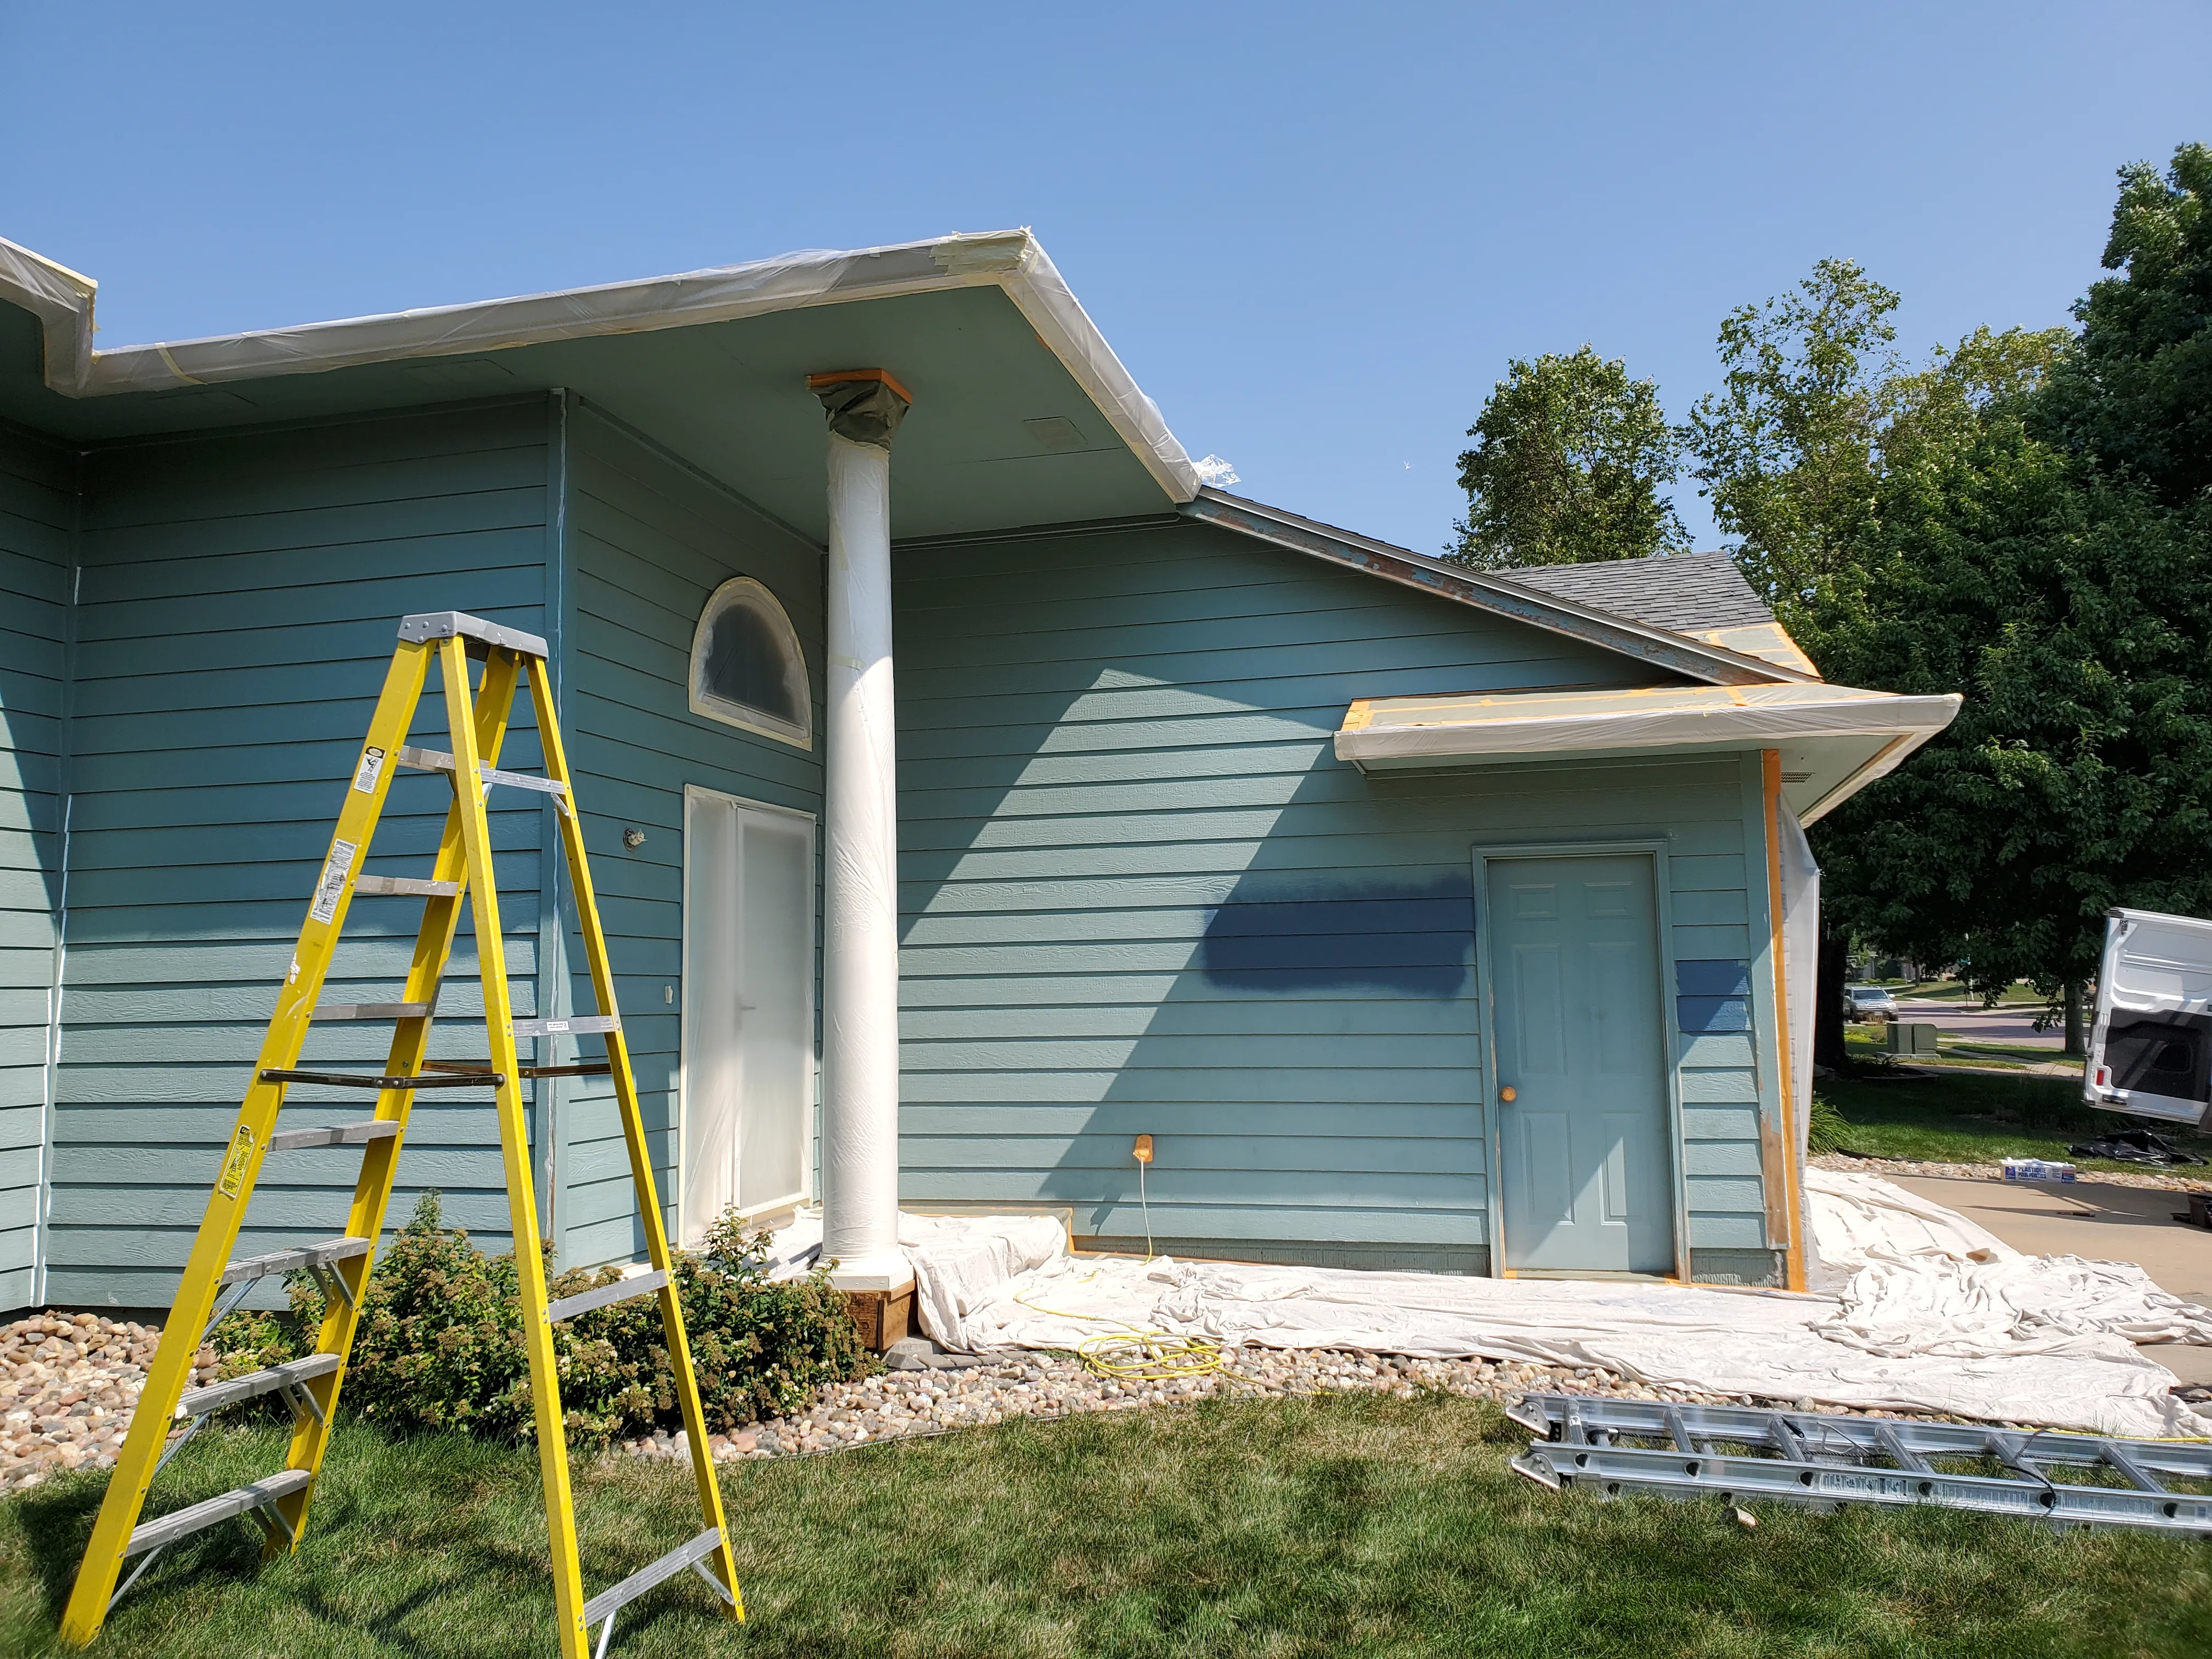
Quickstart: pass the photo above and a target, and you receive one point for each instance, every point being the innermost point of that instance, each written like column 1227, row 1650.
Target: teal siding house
column 1423, row 918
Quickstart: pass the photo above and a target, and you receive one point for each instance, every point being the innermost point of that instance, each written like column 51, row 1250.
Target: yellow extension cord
column 1133, row 1353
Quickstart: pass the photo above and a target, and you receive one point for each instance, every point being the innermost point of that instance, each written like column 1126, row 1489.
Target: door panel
column 748, row 1009
column 1588, row 1183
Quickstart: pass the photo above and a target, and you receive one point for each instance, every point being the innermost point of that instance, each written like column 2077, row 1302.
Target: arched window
column 746, row 667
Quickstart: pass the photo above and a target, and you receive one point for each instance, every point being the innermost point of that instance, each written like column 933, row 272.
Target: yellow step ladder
column 213, row 1283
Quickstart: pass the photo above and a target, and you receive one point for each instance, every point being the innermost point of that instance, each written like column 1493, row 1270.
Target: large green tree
column 1568, row 462
column 2135, row 395
column 2026, row 522
column 1788, row 450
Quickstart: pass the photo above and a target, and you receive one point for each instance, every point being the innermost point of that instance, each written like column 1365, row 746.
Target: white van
column 2151, row 1053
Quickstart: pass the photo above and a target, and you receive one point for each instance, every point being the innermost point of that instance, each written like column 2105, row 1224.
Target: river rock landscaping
column 71, row 1382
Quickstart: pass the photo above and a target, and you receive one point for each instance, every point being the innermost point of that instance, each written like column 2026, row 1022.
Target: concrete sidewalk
column 2100, row 1220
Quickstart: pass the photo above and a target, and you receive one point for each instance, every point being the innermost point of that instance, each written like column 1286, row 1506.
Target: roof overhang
column 983, row 327
column 1700, row 659
column 1834, row 739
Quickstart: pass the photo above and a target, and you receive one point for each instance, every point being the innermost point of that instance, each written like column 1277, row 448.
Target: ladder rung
column 167, row 1529
column 437, row 760
column 337, row 1134
column 410, row 886
column 198, row 1402
column 348, row 1080
column 373, row 1010
column 611, row 1599
column 304, row 1255
column 621, row 1291
column 574, row 1025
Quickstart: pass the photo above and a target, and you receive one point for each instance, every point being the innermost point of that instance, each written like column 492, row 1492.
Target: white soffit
column 1834, row 739
column 1011, row 259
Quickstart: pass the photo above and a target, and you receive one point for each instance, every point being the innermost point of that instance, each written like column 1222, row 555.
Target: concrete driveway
column 2097, row 1219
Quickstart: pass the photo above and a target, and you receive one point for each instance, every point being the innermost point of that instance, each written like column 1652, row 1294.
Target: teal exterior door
column 1586, row 1144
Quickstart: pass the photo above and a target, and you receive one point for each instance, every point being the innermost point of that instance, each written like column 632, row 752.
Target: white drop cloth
column 1936, row 1314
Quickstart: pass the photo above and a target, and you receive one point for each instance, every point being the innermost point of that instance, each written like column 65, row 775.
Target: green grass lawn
column 1343, row 1525
column 1968, row 1117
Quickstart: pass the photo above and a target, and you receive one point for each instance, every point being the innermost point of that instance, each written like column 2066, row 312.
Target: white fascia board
column 1011, row 259
column 1756, row 726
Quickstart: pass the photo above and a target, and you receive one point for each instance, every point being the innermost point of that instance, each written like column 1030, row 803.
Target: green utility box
column 1912, row 1037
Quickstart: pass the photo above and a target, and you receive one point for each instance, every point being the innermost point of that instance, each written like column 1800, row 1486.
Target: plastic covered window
column 747, row 668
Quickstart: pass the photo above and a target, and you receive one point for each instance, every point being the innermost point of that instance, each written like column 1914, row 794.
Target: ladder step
column 198, row 1402
column 574, row 1025
column 410, row 886
column 611, row 1599
column 437, row 760
column 372, row 1011
column 348, row 1080
column 337, row 1134
column 621, row 1291
column 167, row 1529
column 304, row 1255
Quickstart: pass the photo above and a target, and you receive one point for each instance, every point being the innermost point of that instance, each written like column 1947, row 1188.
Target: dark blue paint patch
column 1419, row 940
column 1701, row 1015
column 1712, row 978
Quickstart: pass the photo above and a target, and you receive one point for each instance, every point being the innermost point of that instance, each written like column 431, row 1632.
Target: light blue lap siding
column 38, row 520
column 649, row 539
column 1141, row 895
column 239, row 603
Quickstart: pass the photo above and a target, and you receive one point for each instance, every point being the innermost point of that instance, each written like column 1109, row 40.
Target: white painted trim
column 744, row 716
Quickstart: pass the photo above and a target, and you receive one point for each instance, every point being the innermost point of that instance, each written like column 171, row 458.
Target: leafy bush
column 440, row 1344
column 1827, row 1129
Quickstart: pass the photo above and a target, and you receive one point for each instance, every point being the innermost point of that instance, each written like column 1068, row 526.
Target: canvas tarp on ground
column 1934, row 1315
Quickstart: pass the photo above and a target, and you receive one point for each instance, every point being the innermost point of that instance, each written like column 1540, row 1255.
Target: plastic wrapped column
column 860, row 970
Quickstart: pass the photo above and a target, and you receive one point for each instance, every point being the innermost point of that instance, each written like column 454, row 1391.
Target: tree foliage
column 2026, row 521
column 2135, row 395
column 1569, row 458
column 1788, row 449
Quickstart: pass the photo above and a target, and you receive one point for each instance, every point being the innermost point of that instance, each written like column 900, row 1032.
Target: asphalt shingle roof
column 1685, row 594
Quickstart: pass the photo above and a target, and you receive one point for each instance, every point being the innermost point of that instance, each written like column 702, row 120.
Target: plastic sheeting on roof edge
column 1010, row 260
column 1868, row 714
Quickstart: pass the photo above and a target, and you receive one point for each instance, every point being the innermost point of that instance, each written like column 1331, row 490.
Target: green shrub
column 1827, row 1129
column 439, row 1341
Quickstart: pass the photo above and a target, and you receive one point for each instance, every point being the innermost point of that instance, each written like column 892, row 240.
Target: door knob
column 1507, row 1095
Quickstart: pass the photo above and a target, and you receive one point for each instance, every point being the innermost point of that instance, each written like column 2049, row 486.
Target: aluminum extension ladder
column 213, row 1283
column 1825, row 1461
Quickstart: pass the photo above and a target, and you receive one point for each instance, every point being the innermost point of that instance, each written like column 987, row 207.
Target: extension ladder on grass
column 213, row 1283
column 1824, row 1461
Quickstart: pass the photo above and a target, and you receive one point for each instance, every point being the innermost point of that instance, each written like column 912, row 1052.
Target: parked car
column 1868, row 1003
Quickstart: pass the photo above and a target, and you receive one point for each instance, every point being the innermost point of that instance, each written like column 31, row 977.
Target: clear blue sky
column 1315, row 234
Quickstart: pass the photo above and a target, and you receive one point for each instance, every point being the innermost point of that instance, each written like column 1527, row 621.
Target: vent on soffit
column 1054, row 432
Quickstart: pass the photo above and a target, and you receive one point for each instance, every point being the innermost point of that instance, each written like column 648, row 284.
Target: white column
column 859, row 970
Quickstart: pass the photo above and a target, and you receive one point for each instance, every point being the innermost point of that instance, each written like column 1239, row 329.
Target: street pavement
column 2010, row 1022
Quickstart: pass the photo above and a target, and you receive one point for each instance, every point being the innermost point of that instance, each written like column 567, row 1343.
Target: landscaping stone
column 68, row 1384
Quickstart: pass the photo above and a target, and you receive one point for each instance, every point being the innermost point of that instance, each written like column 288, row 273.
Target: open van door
column 2151, row 1051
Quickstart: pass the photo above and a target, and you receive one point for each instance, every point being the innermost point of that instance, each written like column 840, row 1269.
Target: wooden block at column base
column 884, row 1316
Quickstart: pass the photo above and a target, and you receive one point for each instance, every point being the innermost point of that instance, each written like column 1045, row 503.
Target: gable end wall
column 1140, row 895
